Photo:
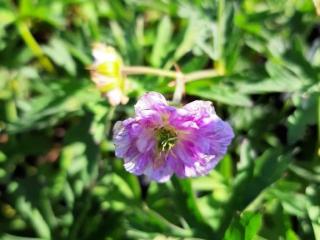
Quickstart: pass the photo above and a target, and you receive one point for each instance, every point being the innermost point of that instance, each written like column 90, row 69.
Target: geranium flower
column 163, row 140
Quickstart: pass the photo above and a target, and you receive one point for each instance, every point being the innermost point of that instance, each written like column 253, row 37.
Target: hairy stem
column 141, row 70
column 201, row 75
column 179, row 88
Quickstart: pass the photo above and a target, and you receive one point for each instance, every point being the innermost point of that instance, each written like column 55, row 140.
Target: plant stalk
column 189, row 77
column 34, row 46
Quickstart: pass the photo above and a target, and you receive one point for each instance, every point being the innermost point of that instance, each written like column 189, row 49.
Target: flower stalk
column 141, row 70
column 179, row 88
column 189, row 77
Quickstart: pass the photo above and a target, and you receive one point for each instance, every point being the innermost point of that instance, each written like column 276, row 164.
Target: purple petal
column 161, row 174
column 217, row 135
column 200, row 109
column 145, row 141
column 149, row 103
column 121, row 139
column 181, row 119
column 177, row 165
column 137, row 163
column 190, row 162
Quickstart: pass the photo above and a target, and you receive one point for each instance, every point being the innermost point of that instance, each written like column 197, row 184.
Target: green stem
column 179, row 89
column 34, row 46
column 83, row 212
column 201, row 75
column 140, row 70
column 109, row 118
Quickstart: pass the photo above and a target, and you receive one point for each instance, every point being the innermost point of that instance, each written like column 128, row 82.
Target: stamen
column 166, row 139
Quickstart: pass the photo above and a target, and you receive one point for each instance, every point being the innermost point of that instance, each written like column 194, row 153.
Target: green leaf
column 59, row 53
column 313, row 210
column 219, row 92
column 163, row 37
column 303, row 116
column 244, row 227
column 254, row 176
column 61, row 101
column 188, row 208
column 144, row 221
column 6, row 17
column 187, row 43
column 280, row 80
column 252, row 223
column 12, row 237
column 293, row 203
column 34, row 216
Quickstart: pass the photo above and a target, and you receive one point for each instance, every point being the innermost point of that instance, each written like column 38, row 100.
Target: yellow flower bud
column 106, row 73
column 317, row 6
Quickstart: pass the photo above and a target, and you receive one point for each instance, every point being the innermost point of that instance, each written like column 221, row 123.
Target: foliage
column 59, row 178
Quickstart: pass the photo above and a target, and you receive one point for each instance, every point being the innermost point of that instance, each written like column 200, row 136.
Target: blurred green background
column 59, row 178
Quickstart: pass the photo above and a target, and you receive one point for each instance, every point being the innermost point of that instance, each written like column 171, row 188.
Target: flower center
column 166, row 139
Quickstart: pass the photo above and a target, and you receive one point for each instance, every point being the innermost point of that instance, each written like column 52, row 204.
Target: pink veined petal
column 160, row 174
column 195, row 162
column 121, row 139
column 182, row 120
column 176, row 164
column 218, row 135
column 185, row 152
column 149, row 103
column 145, row 141
column 137, row 164
column 200, row 108
column 207, row 163
column 198, row 165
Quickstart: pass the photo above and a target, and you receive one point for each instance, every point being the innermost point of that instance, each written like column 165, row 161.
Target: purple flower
column 162, row 140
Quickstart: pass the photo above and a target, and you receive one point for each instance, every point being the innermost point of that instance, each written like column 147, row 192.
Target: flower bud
column 106, row 74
